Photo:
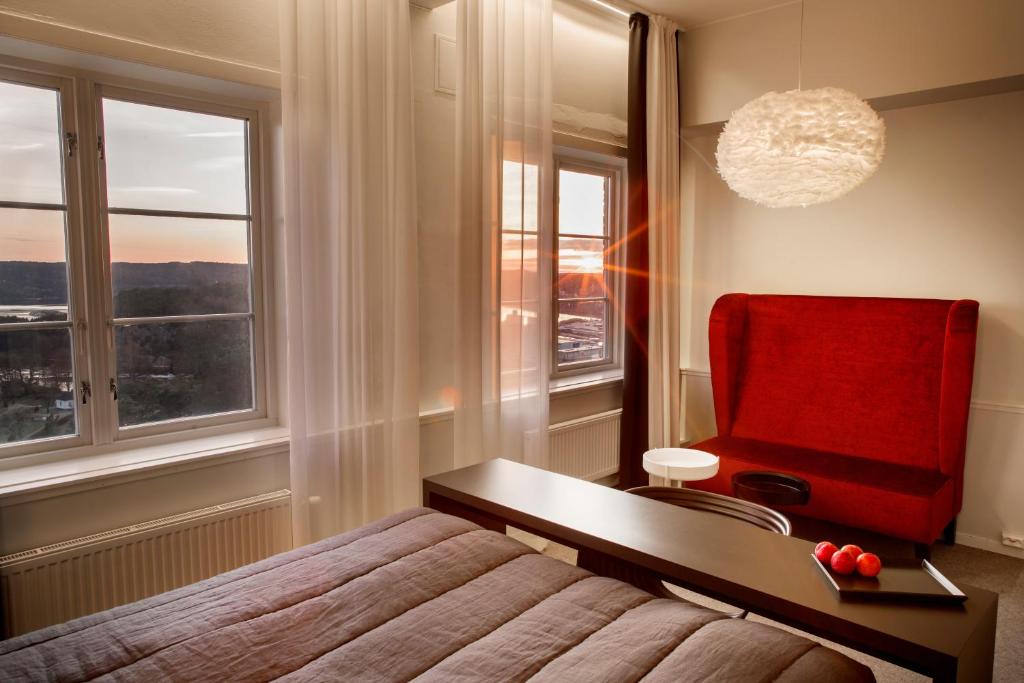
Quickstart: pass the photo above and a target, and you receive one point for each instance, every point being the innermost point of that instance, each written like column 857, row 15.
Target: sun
column 590, row 264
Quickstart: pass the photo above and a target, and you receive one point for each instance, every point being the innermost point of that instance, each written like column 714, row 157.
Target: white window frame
column 89, row 279
column 100, row 92
column 572, row 159
column 70, row 147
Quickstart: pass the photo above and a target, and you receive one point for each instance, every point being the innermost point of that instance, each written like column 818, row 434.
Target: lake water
column 30, row 313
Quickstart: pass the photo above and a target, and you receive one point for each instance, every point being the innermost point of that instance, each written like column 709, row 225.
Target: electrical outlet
column 1013, row 540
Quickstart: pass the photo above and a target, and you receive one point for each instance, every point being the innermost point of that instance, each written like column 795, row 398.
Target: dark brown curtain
column 633, row 441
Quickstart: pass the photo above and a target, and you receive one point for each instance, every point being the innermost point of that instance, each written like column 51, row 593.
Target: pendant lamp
column 800, row 147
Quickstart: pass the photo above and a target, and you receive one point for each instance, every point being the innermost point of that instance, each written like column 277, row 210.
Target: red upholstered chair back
column 886, row 379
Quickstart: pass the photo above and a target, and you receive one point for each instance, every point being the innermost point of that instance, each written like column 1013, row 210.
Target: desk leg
column 613, row 567
column 975, row 661
column 451, row 507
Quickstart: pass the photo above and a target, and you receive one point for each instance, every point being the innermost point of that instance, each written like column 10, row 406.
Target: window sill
column 588, row 381
column 20, row 483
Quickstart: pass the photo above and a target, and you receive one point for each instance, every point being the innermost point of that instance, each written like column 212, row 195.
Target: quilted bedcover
column 416, row 596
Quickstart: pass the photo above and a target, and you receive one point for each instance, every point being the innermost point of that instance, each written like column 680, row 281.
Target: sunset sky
column 580, row 211
column 158, row 158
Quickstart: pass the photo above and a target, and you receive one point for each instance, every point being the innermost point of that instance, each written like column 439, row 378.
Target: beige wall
column 590, row 58
column 74, row 511
column 233, row 39
column 435, row 187
column 589, row 73
column 943, row 217
column 223, row 40
column 237, row 40
column 874, row 48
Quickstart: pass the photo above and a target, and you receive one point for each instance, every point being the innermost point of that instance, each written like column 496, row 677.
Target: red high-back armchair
column 865, row 398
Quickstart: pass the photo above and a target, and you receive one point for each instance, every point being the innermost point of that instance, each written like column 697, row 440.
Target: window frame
column 89, row 278
column 77, row 316
column 613, row 168
column 257, row 319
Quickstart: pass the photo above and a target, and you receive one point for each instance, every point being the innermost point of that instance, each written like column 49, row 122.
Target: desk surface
column 772, row 575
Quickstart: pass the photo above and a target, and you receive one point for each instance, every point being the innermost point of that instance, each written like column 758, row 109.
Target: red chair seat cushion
column 888, row 498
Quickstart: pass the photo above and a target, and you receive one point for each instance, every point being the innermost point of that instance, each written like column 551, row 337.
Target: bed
column 419, row 595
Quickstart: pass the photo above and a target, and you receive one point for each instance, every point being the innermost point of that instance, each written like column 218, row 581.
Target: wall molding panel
column 976, row 404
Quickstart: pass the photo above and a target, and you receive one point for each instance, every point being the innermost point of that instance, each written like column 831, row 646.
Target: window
column 587, row 271
column 130, row 279
column 37, row 338
column 178, row 229
column 521, row 303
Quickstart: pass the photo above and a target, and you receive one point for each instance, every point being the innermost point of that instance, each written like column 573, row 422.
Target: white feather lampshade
column 800, row 147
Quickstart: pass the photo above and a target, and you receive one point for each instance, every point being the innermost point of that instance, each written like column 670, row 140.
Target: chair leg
column 922, row 551
column 949, row 533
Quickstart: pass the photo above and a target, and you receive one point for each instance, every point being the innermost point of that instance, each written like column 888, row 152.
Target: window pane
column 581, row 203
column 581, row 331
column 161, row 158
column 176, row 370
column 519, row 211
column 518, row 256
column 37, row 398
column 33, row 273
column 178, row 266
column 580, row 267
column 30, row 164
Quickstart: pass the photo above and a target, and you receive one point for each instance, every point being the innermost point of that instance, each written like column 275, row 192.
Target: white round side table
column 680, row 464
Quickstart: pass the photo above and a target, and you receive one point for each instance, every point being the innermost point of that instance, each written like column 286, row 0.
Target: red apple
column 852, row 549
column 824, row 551
column 868, row 564
column 843, row 563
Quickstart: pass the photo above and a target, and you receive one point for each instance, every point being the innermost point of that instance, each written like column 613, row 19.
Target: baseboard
column 989, row 544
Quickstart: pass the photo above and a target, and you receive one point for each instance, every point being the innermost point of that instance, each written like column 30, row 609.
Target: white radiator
column 54, row 583
column 587, row 448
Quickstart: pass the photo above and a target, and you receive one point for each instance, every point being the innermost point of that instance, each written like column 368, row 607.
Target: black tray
column 899, row 580
column 771, row 488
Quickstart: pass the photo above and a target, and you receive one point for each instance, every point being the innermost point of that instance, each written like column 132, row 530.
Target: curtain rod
column 622, row 7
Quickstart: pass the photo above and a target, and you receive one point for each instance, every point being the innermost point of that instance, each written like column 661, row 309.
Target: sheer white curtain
column 350, row 225
column 663, row 183
column 503, row 191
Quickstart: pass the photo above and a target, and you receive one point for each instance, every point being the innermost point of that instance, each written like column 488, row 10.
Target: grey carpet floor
column 998, row 573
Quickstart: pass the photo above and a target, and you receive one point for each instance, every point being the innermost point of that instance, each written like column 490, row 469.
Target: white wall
column 943, row 217
column 874, row 48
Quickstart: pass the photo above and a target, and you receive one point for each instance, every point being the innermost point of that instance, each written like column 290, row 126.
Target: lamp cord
column 800, row 51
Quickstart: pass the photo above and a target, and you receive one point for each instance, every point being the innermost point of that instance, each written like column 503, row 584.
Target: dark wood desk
column 740, row 564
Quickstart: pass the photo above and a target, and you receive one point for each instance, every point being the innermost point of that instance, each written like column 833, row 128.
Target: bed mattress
column 416, row 596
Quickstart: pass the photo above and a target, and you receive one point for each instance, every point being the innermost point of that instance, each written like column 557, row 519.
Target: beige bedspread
column 419, row 595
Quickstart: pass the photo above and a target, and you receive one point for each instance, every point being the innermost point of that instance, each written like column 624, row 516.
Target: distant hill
column 177, row 274
column 31, row 282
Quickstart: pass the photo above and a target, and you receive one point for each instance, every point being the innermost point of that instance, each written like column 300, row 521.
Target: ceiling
column 690, row 13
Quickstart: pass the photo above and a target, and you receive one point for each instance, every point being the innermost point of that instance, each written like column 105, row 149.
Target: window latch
column 113, row 388
column 99, row 146
column 86, row 391
column 71, row 139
